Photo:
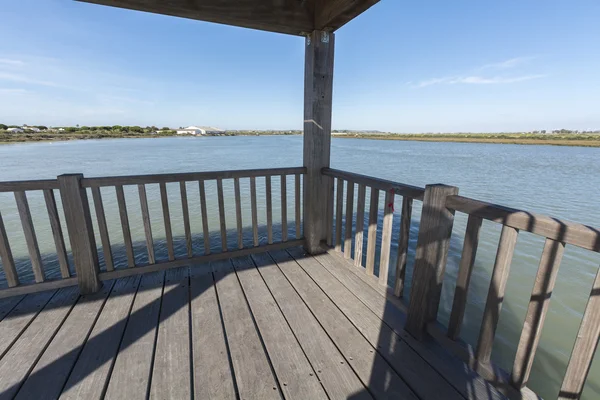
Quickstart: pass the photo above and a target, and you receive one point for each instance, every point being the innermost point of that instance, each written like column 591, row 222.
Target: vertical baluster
column 147, row 224
column 8, row 263
column 222, row 215
column 254, row 211
column 495, row 297
column 297, row 206
column 463, row 279
column 329, row 217
column 360, row 225
column 103, row 227
column 238, row 213
column 269, row 209
column 59, row 240
column 167, row 220
column 30, row 238
column 338, row 214
column 205, row 233
column 186, row 219
column 584, row 348
column 349, row 218
column 536, row 313
column 386, row 239
column 284, row 232
column 125, row 226
column 403, row 246
column 372, row 231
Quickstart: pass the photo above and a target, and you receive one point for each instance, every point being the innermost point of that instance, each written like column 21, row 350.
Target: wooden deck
column 274, row 325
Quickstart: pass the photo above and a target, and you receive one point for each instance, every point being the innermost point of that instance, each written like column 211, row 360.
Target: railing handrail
column 188, row 176
column 21, row 186
column 571, row 233
column 402, row 189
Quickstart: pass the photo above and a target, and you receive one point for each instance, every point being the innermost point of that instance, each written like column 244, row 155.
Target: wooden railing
column 440, row 202
column 78, row 218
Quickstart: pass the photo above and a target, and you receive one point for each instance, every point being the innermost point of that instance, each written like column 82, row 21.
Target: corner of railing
column 81, row 233
column 433, row 242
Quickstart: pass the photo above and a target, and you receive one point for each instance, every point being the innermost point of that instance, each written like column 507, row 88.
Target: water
column 563, row 182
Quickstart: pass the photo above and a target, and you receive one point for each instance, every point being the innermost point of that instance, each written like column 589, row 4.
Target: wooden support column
column 318, row 84
column 433, row 242
column 81, row 233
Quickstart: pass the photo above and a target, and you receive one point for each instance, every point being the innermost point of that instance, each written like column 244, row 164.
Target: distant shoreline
column 576, row 140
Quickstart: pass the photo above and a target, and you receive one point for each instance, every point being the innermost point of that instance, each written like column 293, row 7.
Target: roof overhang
column 294, row 17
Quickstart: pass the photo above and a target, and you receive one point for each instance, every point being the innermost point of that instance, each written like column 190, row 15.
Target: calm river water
column 563, row 182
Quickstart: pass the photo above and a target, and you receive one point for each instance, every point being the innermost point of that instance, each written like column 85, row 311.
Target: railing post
column 81, row 233
column 318, row 83
column 431, row 255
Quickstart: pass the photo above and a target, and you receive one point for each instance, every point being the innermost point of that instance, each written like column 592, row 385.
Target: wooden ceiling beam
column 283, row 16
column 333, row 14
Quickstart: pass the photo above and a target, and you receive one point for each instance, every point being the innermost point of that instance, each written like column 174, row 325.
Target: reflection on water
column 560, row 181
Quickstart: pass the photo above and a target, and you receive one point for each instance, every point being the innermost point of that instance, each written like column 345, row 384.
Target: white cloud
column 5, row 76
column 10, row 61
column 13, row 91
column 507, row 64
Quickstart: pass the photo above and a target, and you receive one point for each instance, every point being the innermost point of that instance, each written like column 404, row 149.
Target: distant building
column 31, row 128
column 14, row 130
column 201, row 131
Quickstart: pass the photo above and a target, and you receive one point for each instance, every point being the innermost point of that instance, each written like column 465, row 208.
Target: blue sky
column 403, row 66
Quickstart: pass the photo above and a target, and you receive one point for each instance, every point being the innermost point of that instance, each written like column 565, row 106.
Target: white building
column 31, row 128
column 200, row 131
column 14, row 130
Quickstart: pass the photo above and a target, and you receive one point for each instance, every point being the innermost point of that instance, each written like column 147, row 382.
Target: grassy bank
column 527, row 139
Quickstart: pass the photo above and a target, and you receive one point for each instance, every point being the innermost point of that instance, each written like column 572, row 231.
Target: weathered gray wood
column 339, row 206
column 349, row 218
column 403, row 241
column 171, row 373
column 81, row 232
column 59, row 241
column 297, row 205
column 8, row 304
column 495, row 297
column 92, row 369
column 30, row 237
column 536, row 312
column 167, row 220
column 213, row 378
column 318, row 93
column 388, row 307
column 188, row 176
column 465, row 269
column 400, row 189
column 186, row 219
column 254, row 211
column 166, row 265
column 269, row 209
column 132, row 368
column 584, row 348
column 329, row 217
column 373, row 371
column 222, row 215
column 20, row 317
column 147, row 224
column 360, row 225
column 205, row 232
column 284, row 227
column 22, row 356
column 103, row 228
column 238, row 213
column 386, row 238
column 38, row 287
column 336, row 13
column 8, row 263
column 253, row 373
column 551, row 228
column 372, row 231
column 23, row 186
column 433, row 242
column 291, row 366
column 51, row 371
column 125, row 226
column 338, row 379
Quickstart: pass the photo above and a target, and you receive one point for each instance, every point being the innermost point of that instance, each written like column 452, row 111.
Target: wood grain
column 386, row 238
column 238, row 213
column 222, row 222
column 268, row 198
column 329, row 215
column 254, row 211
column 30, row 237
column 8, row 262
column 103, row 228
column 147, row 224
column 205, row 230
column 339, row 206
column 186, row 219
column 360, row 226
column 298, row 205
column 284, row 224
column 349, row 219
column 125, row 226
column 403, row 242
column 372, row 231
column 59, row 240
column 167, row 220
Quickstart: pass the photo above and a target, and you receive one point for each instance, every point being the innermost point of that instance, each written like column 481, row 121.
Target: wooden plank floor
column 279, row 325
